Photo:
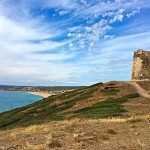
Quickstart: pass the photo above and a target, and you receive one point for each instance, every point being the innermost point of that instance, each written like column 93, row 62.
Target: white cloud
column 65, row 4
column 11, row 30
column 89, row 36
column 108, row 6
column 69, row 34
column 100, row 17
column 20, row 41
column 33, row 49
column 118, row 16
column 62, row 13
column 134, row 12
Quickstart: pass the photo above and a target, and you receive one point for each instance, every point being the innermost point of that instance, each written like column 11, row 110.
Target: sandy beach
column 43, row 94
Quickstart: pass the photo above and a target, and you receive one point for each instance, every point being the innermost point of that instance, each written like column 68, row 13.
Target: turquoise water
column 11, row 99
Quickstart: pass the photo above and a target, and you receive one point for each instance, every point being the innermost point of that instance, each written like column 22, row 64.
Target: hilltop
column 65, row 106
column 93, row 102
column 101, row 113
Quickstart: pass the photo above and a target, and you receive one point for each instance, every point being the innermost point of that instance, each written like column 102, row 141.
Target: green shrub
column 110, row 92
column 107, row 108
column 133, row 95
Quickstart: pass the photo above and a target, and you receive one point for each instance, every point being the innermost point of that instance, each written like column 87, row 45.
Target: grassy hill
column 103, row 116
column 93, row 102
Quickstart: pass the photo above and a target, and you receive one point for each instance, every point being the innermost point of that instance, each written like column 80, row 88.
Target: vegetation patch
column 45, row 110
column 108, row 108
column 68, row 95
column 48, row 110
column 111, row 92
column 134, row 95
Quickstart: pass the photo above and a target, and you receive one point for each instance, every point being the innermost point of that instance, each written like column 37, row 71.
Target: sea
column 14, row 99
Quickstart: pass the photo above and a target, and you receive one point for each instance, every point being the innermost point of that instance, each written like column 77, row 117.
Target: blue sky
column 70, row 42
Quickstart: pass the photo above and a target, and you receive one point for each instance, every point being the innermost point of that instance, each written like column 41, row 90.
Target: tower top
column 140, row 51
column 141, row 65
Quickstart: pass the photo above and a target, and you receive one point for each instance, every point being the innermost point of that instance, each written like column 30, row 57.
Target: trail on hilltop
column 140, row 90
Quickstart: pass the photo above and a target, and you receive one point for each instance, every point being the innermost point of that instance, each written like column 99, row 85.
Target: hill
column 93, row 102
column 113, row 115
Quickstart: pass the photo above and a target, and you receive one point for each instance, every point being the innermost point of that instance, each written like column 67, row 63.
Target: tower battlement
column 141, row 65
column 139, row 51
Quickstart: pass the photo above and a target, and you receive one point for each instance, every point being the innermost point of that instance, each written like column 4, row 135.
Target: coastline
column 43, row 94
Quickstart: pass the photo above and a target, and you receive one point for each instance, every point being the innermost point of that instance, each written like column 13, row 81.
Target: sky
column 70, row 42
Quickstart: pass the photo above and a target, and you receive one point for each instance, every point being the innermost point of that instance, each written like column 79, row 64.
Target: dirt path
column 140, row 90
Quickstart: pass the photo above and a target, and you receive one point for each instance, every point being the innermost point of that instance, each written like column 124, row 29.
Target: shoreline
column 43, row 94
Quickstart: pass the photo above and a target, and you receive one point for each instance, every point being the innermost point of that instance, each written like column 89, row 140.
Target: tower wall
column 141, row 65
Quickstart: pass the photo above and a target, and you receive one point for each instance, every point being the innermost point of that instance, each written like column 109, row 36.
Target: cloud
column 108, row 6
column 134, row 12
column 99, row 19
column 55, row 49
column 118, row 16
column 62, row 13
column 20, row 43
column 65, row 4
column 113, row 61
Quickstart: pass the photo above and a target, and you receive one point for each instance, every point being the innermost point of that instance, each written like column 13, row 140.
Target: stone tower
column 141, row 65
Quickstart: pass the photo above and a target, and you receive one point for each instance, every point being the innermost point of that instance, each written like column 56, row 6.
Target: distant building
column 141, row 65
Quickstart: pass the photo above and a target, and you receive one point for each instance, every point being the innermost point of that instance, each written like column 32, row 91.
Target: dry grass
column 111, row 131
column 80, row 133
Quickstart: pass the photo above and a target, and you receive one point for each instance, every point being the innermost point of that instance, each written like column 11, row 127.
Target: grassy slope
column 53, row 108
